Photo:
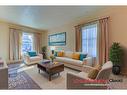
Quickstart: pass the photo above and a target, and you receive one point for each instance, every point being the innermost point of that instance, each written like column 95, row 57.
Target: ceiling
column 45, row 17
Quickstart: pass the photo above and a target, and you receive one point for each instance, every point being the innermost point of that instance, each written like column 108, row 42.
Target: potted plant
column 115, row 56
column 44, row 49
column 52, row 57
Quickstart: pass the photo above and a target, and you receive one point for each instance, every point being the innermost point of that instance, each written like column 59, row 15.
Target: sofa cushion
column 68, row 54
column 76, row 56
column 82, row 56
column 69, row 60
column 35, row 58
column 32, row 53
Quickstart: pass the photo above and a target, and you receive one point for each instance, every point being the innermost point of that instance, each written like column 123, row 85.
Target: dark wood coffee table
column 50, row 68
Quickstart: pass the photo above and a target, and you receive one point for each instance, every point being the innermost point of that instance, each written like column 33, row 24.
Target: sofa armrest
column 88, row 61
column 71, row 81
column 26, row 58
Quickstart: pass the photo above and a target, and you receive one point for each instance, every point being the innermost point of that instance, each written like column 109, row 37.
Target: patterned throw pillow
column 93, row 73
column 98, row 66
column 76, row 56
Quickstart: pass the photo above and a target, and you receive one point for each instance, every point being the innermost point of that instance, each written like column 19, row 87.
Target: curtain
column 103, row 41
column 37, row 42
column 89, row 39
column 14, row 44
column 78, row 35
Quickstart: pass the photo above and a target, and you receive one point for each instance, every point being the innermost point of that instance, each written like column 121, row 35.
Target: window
column 89, row 39
column 27, row 42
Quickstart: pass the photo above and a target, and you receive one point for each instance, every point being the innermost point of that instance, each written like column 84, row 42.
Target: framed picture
column 58, row 39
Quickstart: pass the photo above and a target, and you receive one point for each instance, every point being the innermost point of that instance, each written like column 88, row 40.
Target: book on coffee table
column 46, row 61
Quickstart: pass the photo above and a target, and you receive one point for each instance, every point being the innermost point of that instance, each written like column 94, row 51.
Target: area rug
column 12, row 69
column 20, row 80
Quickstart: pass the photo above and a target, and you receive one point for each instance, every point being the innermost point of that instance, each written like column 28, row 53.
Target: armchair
column 83, row 78
column 32, row 60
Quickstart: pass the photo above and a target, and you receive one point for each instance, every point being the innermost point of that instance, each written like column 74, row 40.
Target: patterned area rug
column 20, row 80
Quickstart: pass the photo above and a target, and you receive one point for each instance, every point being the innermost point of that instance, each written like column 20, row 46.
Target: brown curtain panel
column 78, row 35
column 103, row 41
column 37, row 42
column 14, row 44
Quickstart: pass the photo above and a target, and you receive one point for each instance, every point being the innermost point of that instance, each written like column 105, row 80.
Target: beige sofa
column 72, row 63
column 32, row 60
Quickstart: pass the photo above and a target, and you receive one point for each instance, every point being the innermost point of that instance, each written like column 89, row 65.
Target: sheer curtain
column 89, row 39
column 15, row 44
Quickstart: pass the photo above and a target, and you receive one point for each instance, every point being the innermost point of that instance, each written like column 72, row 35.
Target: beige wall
column 70, row 36
column 4, row 41
column 117, row 29
column 4, row 37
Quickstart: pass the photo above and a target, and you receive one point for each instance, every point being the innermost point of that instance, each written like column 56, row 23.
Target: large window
column 27, row 42
column 89, row 39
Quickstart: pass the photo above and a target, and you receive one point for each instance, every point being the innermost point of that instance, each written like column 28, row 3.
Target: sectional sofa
column 69, row 61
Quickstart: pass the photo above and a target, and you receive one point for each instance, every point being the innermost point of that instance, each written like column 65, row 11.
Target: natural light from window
column 27, row 42
column 89, row 39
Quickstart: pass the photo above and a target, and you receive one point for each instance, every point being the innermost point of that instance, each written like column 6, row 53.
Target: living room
column 40, row 24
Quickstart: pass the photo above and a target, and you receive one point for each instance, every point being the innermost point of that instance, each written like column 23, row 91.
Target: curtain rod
column 23, row 30
column 15, row 28
column 93, row 20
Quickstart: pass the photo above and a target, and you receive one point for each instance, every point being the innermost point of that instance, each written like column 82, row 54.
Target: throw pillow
column 56, row 53
column 98, row 66
column 60, row 54
column 32, row 53
column 82, row 56
column 76, row 56
column 93, row 73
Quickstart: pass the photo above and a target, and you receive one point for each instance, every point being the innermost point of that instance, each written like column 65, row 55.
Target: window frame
column 32, row 42
column 87, row 25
